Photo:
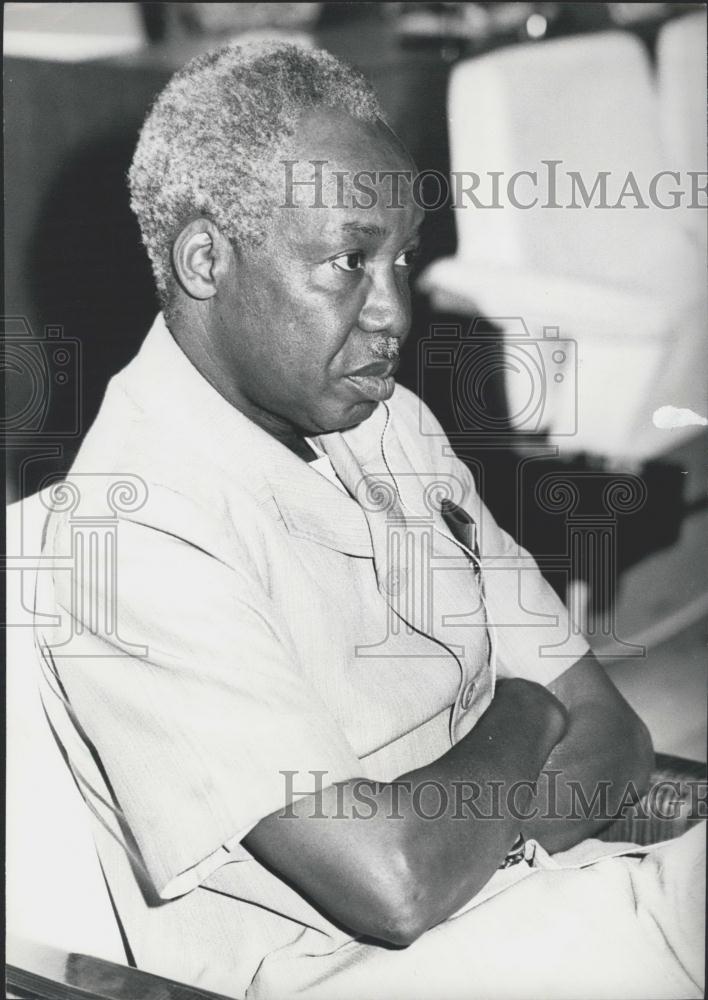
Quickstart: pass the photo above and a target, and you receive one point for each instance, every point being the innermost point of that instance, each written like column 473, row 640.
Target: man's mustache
column 386, row 347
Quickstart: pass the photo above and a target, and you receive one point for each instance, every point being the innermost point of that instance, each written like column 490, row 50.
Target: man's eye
column 407, row 258
column 349, row 261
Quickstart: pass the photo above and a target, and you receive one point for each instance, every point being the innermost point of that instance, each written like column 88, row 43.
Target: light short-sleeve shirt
column 234, row 630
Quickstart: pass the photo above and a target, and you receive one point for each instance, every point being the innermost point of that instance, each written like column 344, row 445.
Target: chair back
column 590, row 103
column 682, row 69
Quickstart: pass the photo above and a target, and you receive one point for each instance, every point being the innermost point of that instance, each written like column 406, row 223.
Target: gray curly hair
column 211, row 142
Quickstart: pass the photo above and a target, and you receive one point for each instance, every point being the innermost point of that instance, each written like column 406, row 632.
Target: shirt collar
column 309, row 505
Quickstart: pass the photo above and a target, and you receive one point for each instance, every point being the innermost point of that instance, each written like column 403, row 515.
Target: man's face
column 309, row 324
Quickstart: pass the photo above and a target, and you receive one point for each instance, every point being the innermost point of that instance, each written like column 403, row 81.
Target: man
column 311, row 706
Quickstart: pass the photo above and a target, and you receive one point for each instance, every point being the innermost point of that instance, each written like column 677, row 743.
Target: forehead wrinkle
column 368, row 229
column 314, row 229
column 376, row 229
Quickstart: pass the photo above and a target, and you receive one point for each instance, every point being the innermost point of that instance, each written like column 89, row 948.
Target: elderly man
column 328, row 717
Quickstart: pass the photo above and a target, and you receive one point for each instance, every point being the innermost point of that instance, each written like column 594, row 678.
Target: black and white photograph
column 355, row 360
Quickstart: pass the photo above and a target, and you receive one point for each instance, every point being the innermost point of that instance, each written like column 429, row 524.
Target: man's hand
column 424, row 844
column 604, row 758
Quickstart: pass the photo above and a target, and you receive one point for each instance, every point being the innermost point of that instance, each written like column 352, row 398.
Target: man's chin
column 345, row 418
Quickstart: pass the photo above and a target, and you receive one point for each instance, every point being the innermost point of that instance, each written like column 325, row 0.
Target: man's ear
column 200, row 257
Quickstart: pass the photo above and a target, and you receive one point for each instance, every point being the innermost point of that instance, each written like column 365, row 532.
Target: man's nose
column 386, row 309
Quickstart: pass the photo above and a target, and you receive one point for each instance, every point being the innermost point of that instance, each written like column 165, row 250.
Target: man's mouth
column 374, row 381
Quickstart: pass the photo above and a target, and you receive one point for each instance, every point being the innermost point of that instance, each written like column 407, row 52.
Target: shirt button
column 467, row 696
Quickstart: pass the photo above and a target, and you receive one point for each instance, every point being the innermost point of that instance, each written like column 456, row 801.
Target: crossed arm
column 389, row 873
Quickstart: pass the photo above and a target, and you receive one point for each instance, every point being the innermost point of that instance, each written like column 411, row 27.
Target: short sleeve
column 535, row 636
column 195, row 731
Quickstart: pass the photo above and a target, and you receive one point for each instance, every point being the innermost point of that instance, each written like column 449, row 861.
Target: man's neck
column 196, row 351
